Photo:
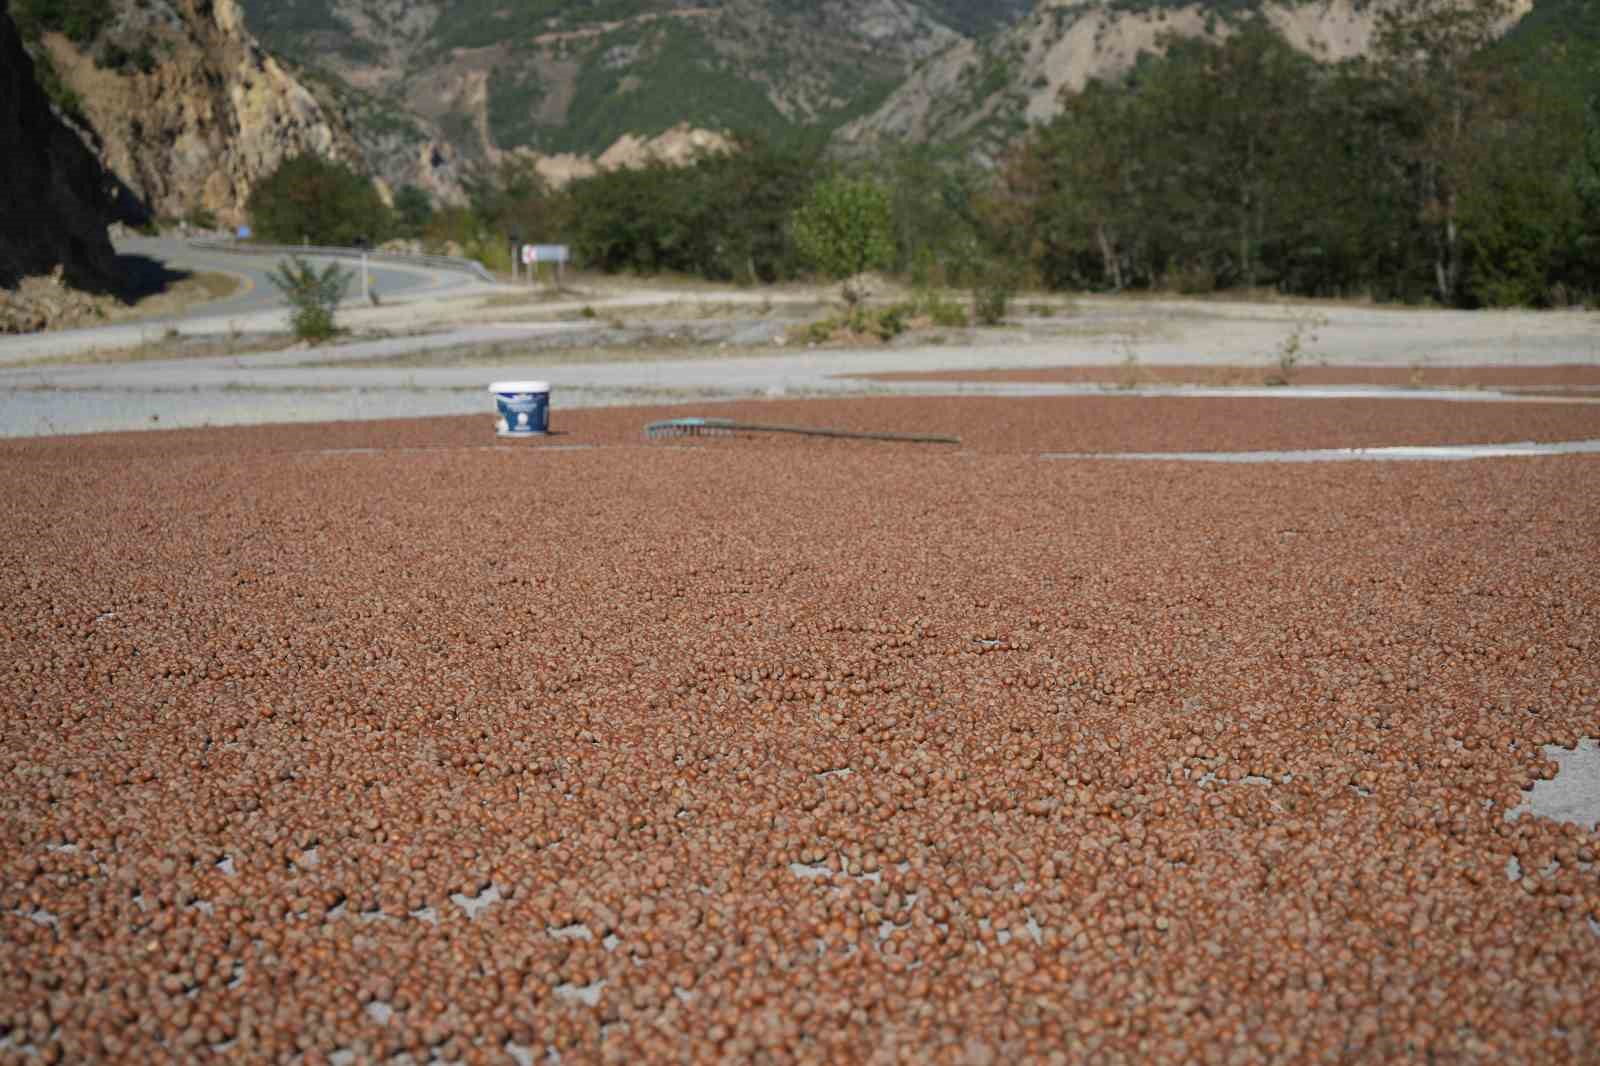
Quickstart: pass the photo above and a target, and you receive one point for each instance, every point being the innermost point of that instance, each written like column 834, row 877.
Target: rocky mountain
column 180, row 100
column 481, row 77
column 985, row 92
column 56, row 193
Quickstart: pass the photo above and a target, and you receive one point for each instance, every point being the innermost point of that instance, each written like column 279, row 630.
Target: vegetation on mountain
column 80, row 20
column 558, row 76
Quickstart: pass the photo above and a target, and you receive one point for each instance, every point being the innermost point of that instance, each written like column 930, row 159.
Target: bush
column 313, row 296
column 882, row 323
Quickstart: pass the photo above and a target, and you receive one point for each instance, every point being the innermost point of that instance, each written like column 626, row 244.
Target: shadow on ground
column 139, row 277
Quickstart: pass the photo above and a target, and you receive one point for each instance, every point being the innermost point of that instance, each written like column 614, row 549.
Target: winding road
column 256, row 307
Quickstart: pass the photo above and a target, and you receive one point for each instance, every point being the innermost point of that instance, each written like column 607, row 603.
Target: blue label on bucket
column 523, row 412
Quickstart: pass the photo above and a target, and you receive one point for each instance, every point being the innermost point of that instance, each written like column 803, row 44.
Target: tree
column 1202, row 169
column 935, row 195
column 753, row 190
column 517, row 201
column 724, row 217
column 317, row 200
column 1430, row 50
column 413, row 210
column 1072, row 199
column 845, row 227
column 313, row 296
column 628, row 220
column 1586, row 183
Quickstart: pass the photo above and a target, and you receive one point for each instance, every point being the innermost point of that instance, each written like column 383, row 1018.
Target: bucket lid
column 520, row 386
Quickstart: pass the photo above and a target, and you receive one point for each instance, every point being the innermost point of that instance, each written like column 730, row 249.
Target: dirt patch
column 1546, row 379
column 610, row 340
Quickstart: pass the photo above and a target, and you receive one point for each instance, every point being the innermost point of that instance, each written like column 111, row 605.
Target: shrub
column 313, row 296
column 882, row 323
column 888, row 323
column 941, row 311
column 991, row 299
column 1294, row 346
column 845, row 227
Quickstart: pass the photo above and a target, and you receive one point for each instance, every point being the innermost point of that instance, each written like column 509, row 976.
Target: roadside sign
column 534, row 254
column 244, row 233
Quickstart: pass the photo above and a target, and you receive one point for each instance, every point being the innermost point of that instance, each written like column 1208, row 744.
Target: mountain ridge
column 557, row 77
column 986, row 93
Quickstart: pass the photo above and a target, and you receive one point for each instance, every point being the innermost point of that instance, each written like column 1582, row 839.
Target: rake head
column 689, row 427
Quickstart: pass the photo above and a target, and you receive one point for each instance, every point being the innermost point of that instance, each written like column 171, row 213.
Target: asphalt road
column 256, row 307
column 259, row 294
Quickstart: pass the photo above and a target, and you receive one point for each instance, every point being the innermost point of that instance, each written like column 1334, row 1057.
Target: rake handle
column 762, row 427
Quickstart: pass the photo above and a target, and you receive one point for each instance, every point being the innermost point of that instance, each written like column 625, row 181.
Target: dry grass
column 168, row 344
column 515, row 354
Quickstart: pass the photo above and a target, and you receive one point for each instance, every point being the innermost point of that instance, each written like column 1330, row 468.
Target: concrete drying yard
column 383, row 741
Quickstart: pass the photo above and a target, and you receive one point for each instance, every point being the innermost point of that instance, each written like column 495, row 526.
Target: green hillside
column 575, row 75
column 1558, row 46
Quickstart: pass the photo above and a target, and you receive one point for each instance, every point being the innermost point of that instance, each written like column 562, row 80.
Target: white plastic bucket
column 523, row 408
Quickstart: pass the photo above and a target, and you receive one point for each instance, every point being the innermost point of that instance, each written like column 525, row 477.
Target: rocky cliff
column 53, row 192
column 187, row 108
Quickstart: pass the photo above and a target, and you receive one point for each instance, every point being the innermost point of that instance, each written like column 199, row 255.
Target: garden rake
column 727, row 427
